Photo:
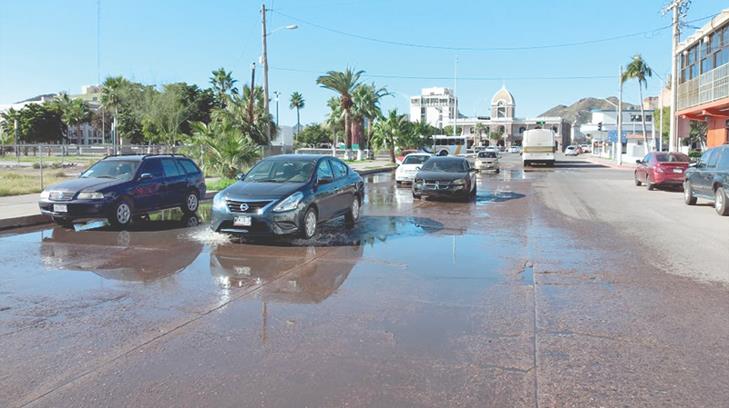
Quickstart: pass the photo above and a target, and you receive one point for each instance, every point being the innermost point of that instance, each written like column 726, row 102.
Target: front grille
column 61, row 195
column 253, row 206
column 437, row 184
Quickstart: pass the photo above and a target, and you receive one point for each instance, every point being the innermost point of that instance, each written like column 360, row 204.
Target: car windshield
column 113, row 169
column 281, row 171
column 487, row 155
column 672, row 158
column 446, row 166
column 415, row 159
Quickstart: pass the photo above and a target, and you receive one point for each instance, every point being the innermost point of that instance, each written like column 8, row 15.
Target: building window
column 500, row 110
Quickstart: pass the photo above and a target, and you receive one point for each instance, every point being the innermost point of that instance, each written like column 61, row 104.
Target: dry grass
column 16, row 183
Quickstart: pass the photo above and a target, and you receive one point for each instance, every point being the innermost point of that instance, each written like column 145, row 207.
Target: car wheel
column 651, row 186
column 309, row 224
column 720, row 202
column 637, row 182
column 352, row 216
column 688, row 194
column 416, row 196
column 475, row 190
column 121, row 215
column 192, row 202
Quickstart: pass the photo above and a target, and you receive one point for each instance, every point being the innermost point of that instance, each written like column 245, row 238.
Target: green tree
column 223, row 85
column 127, row 100
column 297, row 102
column 448, row 130
column 343, row 83
column 252, row 122
column 39, row 123
column 335, row 119
column 365, row 109
column 638, row 69
column 167, row 114
column 74, row 112
column 697, row 133
column 223, row 147
column 312, row 135
column 388, row 130
column 666, row 122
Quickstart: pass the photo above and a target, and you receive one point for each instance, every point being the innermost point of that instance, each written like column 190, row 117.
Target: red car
column 660, row 168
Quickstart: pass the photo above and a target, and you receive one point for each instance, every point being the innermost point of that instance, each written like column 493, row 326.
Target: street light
column 264, row 61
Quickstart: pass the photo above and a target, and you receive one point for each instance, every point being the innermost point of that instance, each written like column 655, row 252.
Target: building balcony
column 706, row 88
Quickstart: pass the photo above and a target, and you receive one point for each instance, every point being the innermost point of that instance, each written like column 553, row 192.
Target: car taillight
column 659, row 168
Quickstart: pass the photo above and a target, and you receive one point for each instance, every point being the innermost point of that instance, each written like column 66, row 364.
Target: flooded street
column 536, row 294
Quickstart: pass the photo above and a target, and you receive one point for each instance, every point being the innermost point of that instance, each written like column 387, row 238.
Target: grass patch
column 219, row 184
column 16, row 184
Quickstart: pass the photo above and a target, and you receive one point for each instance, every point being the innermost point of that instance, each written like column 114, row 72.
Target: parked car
column 289, row 194
column 660, row 169
column 586, row 148
column 445, row 177
column 119, row 188
column 571, row 151
column 488, row 161
column 405, row 172
column 515, row 149
column 709, row 179
column 402, row 155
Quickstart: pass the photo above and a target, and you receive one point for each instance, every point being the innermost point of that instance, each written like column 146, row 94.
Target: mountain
column 580, row 110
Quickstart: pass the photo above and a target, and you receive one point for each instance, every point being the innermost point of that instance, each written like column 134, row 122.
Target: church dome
column 504, row 96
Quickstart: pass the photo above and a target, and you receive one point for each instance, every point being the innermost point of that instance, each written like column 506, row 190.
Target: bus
column 538, row 146
column 451, row 145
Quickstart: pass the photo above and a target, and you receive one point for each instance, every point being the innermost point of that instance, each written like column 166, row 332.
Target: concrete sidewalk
column 627, row 165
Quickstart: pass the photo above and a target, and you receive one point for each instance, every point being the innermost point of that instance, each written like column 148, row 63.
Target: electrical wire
column 463, row 48
column 465, row 78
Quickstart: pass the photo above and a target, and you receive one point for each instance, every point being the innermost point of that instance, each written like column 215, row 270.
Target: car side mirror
column 240, row 176
column 694, row 164
column 639, row 161
column 146, row 176
column 324, row 180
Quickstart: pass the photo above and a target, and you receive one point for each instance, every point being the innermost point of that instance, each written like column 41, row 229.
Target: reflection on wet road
column 423, row 303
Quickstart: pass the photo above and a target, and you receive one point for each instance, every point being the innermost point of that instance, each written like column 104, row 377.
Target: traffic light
column 599, row 126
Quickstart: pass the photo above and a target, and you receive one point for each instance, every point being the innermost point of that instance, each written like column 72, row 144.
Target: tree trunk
column 642, row 118
column 298, row 125
column 347, row 130
column 391, row 142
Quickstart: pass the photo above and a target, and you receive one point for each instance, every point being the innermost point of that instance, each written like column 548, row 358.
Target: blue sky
column 49, row 45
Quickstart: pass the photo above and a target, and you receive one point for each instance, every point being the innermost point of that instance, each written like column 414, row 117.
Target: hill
column 580, row 110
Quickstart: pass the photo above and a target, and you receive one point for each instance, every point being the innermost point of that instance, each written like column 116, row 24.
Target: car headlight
column 418, row 181
column 219, row 202
column 45, row 194
column 459, row 182
column 289, row 203
column 90, row 195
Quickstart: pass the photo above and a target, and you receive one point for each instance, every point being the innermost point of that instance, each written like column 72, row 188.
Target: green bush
column 220, row 184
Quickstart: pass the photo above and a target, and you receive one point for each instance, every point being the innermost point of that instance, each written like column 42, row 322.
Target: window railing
column 705, row 88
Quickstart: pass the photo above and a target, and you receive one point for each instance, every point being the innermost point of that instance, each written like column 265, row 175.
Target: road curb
column 610, row 164
column 376, row 170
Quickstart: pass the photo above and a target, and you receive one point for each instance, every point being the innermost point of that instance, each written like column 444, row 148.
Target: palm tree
column 223, row 82
column 297, row 102
column 343, row 83
column 73, row 112
column 639, row 70
column 335, row 120
column 480, row 128
column 365, row 109
column 111, row 97
column 227, row 149
column 388, row 129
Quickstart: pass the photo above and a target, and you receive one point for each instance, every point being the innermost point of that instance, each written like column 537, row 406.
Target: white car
column 515, row 149
column 410, row 165
column 487, row 161
column 571, row 151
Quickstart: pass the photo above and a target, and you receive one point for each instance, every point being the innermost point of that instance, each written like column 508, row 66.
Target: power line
column 460, row 78
column 464, row 48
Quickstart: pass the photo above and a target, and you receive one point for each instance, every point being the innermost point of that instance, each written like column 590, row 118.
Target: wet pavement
column 503, row 301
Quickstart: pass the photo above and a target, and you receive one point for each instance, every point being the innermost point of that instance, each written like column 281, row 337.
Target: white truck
column 538, row 147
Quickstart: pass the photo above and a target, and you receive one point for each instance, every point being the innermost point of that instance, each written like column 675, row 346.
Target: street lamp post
column 264, row 62
column 619, row 135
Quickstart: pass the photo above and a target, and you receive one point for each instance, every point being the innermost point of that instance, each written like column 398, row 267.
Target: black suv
column 709, row 179
column 121, row 187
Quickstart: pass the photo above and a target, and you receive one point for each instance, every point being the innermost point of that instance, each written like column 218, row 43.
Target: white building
column 601, row 131
column 435, row 106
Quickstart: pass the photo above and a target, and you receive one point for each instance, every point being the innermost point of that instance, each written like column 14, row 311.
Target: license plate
column 60, row 208
column 242, row 221
column 678, row 171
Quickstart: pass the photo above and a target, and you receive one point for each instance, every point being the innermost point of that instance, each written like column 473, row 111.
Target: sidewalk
column 627, row 164
column 372, row 166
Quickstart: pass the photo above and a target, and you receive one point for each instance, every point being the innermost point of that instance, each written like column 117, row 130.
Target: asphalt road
column 556, row 287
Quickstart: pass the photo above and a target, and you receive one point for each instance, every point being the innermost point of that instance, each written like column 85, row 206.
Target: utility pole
column 252, row 94
column 677, row 8
column 619, row 133
column 455, row 98
column 276, row 94
column 264, row 61
column 17, row 153
column 660, row 114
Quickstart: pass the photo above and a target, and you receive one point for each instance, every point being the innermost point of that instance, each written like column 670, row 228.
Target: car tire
column 721, row 204
column 637, row 182
column 352, row 215
column 651, row 186
column 192, row 202
column 688, row 194
column 121, row 214
column 416, row 196
column 308, row 227
column 474, row 192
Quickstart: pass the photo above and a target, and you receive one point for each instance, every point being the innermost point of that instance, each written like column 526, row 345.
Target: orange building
column 703, row 80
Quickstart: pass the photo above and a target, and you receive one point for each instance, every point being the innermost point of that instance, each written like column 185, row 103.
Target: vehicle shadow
column 368, row 230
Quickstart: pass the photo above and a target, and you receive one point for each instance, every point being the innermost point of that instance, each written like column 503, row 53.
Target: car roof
column 140, row 157
column 418, row 154
column 302, row 157
column 447, row 158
